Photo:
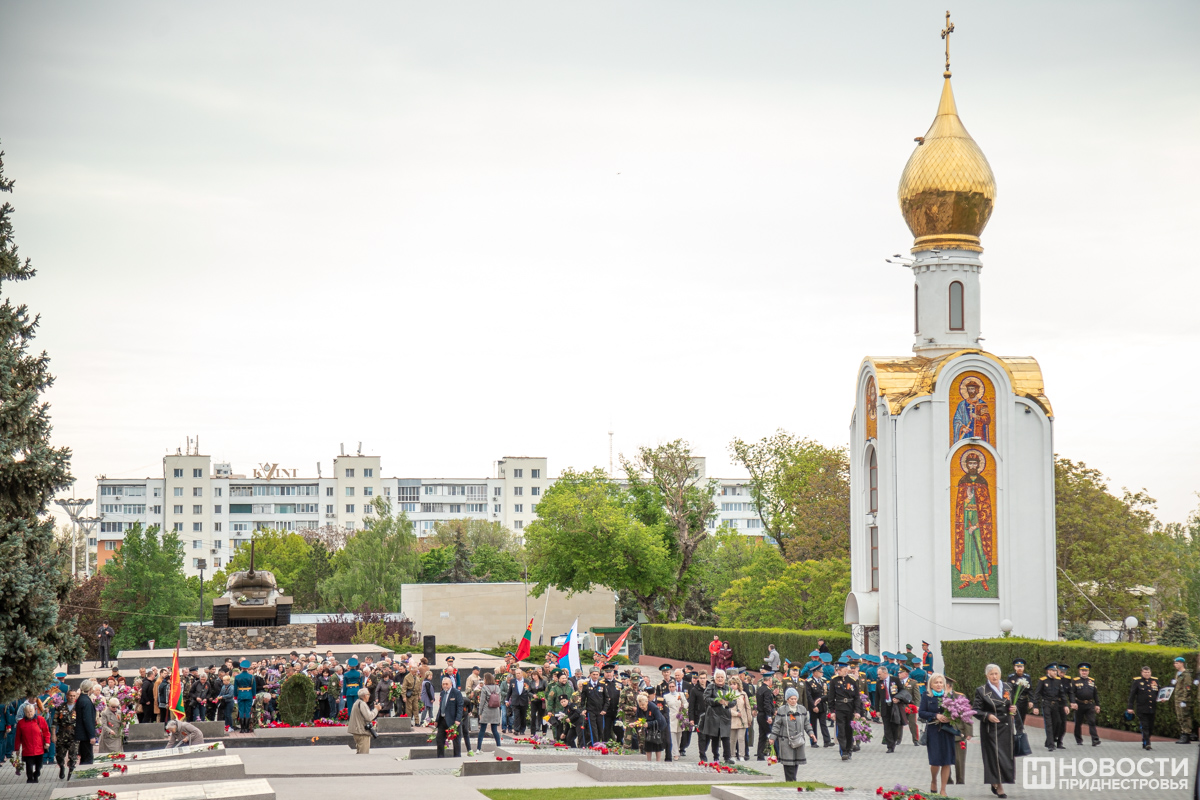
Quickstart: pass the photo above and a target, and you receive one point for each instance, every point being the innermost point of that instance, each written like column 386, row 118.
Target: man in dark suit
column 764, row 699
column 892, row 699
column 518, row 700
column 612, row 695
column 450, row 711
column 595, row 704
column 85, row 727
column 104, row 637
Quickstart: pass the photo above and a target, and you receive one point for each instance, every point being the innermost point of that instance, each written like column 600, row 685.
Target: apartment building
column 216, row 511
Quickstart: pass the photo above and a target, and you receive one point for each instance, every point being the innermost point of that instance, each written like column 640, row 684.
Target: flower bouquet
column 904, row 793
column 1020, row 685
column 728, row 696
column 958, row 708
column 861, row 731
column 343, row 715
column 16, row 762
column 729, row 769
column 396, row 693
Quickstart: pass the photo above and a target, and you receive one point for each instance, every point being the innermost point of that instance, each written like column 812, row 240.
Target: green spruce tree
column 34, row 635
column 1177, row 632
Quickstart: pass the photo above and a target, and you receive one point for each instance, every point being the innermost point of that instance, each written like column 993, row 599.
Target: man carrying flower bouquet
column 450, row 711
column 893, row 698
column 1021, row 685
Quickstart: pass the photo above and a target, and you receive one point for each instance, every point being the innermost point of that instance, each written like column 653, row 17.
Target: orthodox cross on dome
column 946, row 31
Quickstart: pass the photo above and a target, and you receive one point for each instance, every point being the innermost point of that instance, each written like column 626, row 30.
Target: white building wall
column 228, row 520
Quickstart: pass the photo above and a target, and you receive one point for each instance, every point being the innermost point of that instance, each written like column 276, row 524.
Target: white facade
column 215, row 511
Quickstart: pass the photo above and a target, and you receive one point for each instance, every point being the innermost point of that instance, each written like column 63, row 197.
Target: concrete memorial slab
column 425, row 752
column 182, row 751
column 393, row 725
column 607, row 769
column 253, row 789
column 558, row 755
column 473, row 768
column 191, row 770
column 785, row 793
column 155, row 731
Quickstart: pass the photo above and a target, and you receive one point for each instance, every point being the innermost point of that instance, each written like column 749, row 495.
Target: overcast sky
column 458, row 231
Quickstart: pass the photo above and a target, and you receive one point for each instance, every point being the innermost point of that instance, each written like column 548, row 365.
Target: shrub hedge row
column 1114, row 666
column 689, row 643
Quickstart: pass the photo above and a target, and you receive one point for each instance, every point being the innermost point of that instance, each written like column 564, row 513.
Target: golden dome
column 947, row 189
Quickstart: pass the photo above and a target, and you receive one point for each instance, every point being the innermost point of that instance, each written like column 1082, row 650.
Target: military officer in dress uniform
column 818, row 705
column 918, row 676
column 1048, row 699
column 1181, row 699
column 351, row 682
column 1143, row 694
column 847, row 706
column 1022, row 689
column 1085, row 700
column 905, row 679
column 243, row 690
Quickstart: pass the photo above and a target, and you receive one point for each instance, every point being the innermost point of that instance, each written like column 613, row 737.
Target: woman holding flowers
column 993, row 703
column 939, row 733
column 111, row 727
column 739, row 721
column 788, row 732
column 717, row 721
column 676, row 704
column 651, row 721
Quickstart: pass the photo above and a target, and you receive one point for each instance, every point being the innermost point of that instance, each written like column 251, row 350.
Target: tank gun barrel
column 250, row 574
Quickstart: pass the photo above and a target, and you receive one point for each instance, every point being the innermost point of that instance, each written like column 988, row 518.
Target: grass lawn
column 620, row 792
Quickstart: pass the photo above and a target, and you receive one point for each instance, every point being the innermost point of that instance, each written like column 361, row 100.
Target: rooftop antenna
column 610, row 463
column 360, row 448
column 342, row 446
column 318, row 469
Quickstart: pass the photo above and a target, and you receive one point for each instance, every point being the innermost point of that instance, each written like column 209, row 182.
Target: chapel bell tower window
column 956, row 306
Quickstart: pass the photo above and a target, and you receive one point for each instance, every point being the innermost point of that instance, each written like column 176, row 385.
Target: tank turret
column 252, row 599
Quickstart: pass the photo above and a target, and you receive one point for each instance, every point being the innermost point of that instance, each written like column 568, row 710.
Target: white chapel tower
column 951, row 448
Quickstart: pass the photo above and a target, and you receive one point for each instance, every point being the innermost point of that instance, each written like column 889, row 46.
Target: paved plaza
column 296, row 773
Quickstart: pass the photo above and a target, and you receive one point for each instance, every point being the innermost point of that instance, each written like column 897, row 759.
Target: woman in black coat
column 718, row 719
column 994, row 709
column 655, row 721
column 85, row 722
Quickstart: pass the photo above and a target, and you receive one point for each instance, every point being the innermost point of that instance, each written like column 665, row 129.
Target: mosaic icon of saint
column 872, row 402
column 972, row 418
column 974, row 531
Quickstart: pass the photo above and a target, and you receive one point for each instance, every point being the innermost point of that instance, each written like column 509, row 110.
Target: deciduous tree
column 1110, row 548
column 804, row 594
column 802, row 491
column 147, row 588
column 587, row 535
column 373, row 564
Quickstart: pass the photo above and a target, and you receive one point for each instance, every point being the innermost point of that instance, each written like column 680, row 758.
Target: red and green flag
column 175, row 697
column 526, row 642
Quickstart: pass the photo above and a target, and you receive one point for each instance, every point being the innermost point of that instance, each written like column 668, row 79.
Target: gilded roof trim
column 904, row 379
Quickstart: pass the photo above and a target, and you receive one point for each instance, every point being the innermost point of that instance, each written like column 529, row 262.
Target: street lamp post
column 88, row 525
column 73, row 507
column 203, row 563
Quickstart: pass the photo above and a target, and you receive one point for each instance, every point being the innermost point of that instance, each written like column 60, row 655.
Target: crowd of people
column 777, row 712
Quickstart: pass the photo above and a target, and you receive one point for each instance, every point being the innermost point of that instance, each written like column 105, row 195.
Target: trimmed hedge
column 1114, row 666
column 689, row 643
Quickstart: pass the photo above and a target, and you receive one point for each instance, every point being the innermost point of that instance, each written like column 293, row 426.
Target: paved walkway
column 322, row 771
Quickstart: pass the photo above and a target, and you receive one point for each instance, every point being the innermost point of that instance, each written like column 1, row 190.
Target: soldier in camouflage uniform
column 67, row 749
column 1181, row 699
column 412, row 694
column 627, row 711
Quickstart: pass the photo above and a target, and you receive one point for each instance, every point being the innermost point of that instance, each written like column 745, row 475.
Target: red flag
column 175, row 695
column 612, row 651
column 526, row 642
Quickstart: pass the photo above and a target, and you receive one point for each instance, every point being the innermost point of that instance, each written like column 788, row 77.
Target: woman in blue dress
column 939, row 733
